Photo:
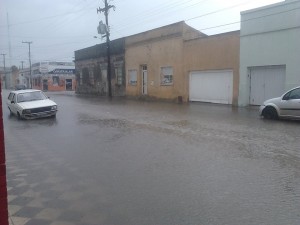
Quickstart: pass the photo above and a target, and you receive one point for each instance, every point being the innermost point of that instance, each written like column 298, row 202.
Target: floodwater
column 148, row 163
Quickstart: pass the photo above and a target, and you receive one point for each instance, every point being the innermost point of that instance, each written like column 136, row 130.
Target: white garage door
column 211, row 86
column 266, row 82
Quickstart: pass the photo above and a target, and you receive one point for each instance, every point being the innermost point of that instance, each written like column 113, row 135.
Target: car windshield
column 30, row 96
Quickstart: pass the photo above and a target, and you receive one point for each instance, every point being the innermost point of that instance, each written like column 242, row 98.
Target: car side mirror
column 12, row 102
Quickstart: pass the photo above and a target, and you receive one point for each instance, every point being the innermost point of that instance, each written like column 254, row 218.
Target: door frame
column 45, row 84
column 144, row 75
column 71, row 84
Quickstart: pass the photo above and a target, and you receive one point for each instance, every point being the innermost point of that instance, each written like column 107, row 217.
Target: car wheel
column 19, row 116
column 270, row 113
column 10, row 112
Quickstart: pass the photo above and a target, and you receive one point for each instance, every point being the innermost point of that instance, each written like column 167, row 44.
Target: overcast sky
column 57, row 28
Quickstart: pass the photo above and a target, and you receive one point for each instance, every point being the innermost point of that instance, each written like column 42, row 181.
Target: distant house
column 2, row 77
column 22, row 79
column 51, row 76
column 9, row 77
column 269, row 52
column 91, row 69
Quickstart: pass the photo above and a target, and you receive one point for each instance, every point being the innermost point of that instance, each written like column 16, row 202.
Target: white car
column 286, row 106
column 30, row 104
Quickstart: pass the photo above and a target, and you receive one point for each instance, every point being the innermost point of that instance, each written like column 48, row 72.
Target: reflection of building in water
column 52, row 76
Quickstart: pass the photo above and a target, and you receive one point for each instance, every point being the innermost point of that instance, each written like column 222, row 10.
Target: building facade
column 172, row 63
column 22, row 78
column 9, row 77
column 91, row 69
column 2, row 77
column 155, row 62
column 269, row 52
column 51, row 76
column 211, row 68
column 178, row 63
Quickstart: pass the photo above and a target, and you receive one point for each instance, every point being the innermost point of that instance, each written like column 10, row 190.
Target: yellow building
column 211, row 68
column 155, row 62
column 164, row 63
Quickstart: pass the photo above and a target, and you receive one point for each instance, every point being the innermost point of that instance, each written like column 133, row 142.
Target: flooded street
column 125, row 162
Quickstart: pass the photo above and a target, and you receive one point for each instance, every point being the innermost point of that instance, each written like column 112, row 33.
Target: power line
column 203, row 15
column 206, row 28
column 161, row 11
column 84, row 9
column 157, row 9
column 250, row 19
column 44, row 18
column 217, row 11
column 193, row 18
column 55, row 25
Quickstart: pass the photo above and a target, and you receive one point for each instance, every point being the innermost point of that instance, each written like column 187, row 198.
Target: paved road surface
column 124, row 162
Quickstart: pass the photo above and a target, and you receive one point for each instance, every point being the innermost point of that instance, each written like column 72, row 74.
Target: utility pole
column 4, row 69
column 9, row 39
column 22, row 64
column 29, row 42
column 105, row 10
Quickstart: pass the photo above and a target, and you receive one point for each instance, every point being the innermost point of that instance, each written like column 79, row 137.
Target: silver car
column 286, row 106
column 30, row 104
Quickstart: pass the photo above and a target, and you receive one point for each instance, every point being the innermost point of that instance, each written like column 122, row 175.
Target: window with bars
column 166, row 75
column 132, row 77
column 118, row 72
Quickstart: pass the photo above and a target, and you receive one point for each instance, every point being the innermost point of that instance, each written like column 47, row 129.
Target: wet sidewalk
column 43, row 190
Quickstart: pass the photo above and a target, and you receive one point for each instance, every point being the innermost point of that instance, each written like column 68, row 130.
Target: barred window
column 166, row 75
column 118, row 72
column 132, row 77
column 91, row 76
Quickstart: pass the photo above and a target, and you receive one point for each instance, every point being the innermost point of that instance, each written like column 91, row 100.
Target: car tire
column 270, row 113
column 10, row 112
column 19, row 116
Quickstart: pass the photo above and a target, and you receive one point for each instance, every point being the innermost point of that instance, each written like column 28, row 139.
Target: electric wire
column 193, row 18
column 203, row 15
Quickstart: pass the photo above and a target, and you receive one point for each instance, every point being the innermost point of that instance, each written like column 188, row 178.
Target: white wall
column 270, row 36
